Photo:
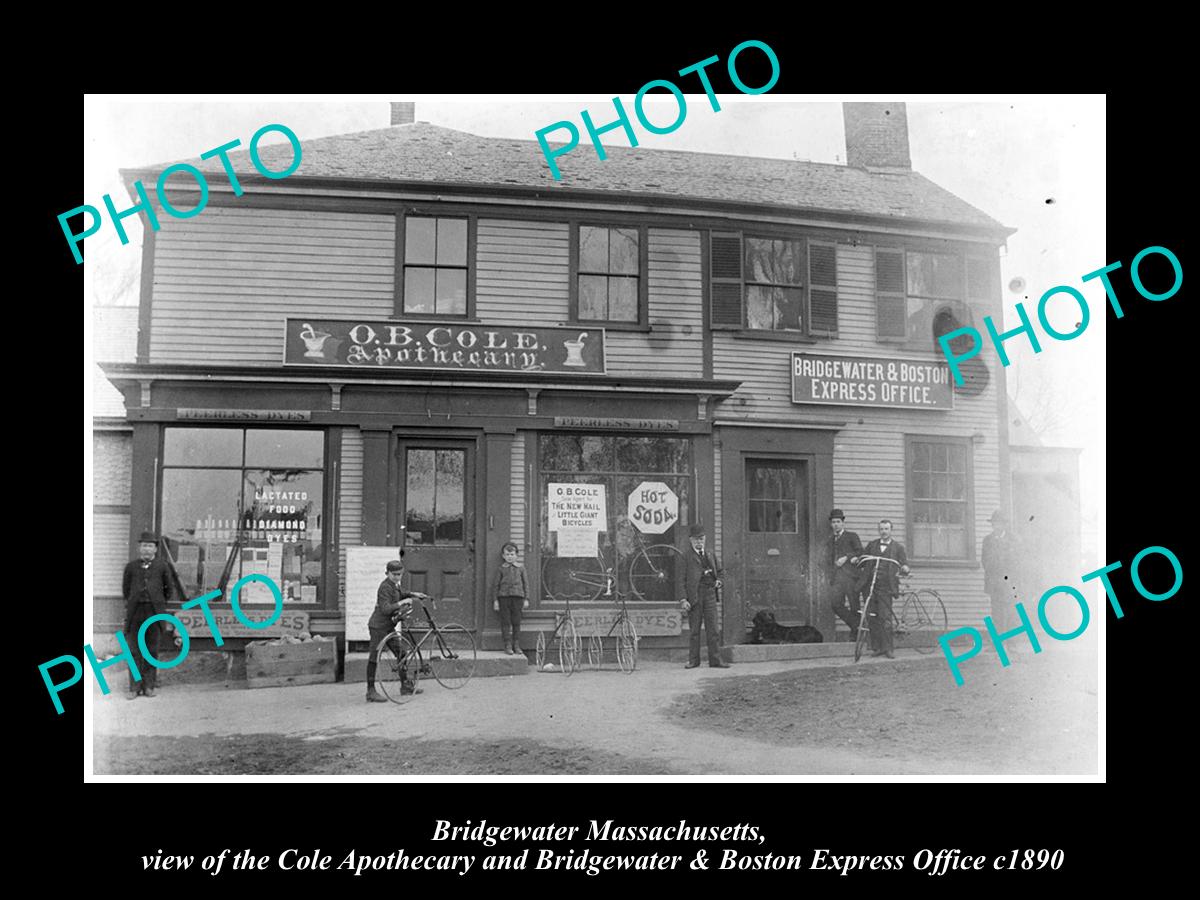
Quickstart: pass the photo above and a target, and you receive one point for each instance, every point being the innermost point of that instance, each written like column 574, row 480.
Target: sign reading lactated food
column 870, row 381
column 380, row 344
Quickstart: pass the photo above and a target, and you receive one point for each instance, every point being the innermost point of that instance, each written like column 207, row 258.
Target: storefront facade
column 327, row 363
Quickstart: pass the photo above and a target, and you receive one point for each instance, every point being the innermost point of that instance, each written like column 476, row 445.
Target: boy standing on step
column 510, row 595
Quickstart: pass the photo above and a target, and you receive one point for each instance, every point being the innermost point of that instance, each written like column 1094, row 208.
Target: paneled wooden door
column 776, row 539
column 437, row 518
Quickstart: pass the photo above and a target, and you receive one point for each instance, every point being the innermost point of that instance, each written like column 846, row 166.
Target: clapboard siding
column 675, row 345
column 350, row 501
column 110, row 551
column 519, row 512
column 869, row 462
column 224, row 281
column 522, row 272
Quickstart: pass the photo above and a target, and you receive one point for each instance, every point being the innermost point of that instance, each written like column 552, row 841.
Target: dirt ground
column 793, row 719
column 272, row 754
column 1038, row 717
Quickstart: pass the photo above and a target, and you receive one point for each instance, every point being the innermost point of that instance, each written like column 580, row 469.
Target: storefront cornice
column 135, row 373
column 806, row 424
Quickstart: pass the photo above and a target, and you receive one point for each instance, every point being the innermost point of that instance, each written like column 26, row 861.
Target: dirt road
column 788, row 719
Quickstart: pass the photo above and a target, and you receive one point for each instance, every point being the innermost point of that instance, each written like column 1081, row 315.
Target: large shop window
column 242, row 501
column 939, row 493
column 589, row 538
column 435, row 266
column 773, row 284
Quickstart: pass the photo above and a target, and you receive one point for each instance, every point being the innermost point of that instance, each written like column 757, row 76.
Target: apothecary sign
column 382, row 344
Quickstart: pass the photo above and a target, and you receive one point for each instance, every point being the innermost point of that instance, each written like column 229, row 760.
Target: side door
column 437, row 518
column 776, row 539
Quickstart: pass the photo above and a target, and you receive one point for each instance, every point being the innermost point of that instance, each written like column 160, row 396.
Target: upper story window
column 435, row 266
column 772, row 283
column 609, row 274
column 921, row 295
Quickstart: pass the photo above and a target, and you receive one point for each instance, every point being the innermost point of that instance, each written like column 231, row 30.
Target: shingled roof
column 430, row 154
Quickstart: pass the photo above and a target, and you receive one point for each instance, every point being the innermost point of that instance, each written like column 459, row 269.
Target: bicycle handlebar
column 880, row 559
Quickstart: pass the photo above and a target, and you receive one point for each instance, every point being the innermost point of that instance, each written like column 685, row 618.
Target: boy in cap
column 389, row 600
column 701, row 580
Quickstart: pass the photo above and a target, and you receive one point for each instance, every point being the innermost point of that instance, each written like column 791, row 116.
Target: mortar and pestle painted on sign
column 575, row 351
column 314, row 341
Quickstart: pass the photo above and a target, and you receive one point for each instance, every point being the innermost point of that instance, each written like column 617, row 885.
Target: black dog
column 767, row 631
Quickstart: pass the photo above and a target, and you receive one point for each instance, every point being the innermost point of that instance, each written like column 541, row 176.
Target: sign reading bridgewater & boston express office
column 380, row 344
column 870, row 381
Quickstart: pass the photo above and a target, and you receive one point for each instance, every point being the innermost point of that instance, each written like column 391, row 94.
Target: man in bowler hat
column 840, row 561
column 701, row 580
column 147, row 588
column 390, row 599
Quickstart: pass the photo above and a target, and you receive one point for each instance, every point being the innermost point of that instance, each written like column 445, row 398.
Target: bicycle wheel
column 399, row 663
column 627, row 641
column 540, row 653
column 578, row 578
column 924, row 617
column 656, row 574
column 452, row 655
column 569, row 646
column 595, row 650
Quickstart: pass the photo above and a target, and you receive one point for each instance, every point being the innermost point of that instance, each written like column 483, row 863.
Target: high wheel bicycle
column 450, row 656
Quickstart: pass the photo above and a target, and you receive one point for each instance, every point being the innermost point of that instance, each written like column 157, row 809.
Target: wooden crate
column 276, row 665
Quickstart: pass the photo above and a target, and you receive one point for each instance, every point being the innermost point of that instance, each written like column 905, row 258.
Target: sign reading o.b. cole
column 870, row 381
column 382, row 344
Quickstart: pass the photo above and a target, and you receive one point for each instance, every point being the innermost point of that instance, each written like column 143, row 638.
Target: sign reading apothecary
column 870, row 381
column 383, row 344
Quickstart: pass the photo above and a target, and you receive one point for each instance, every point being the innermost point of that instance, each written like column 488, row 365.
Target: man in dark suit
column 390, row 599
column 886, row 586
column 701, row 580
column 1000, row 555
column 147, row 588
column 840, row 562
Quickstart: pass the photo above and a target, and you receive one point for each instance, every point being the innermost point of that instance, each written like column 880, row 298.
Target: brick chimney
column 403, row 113
column 877, row 136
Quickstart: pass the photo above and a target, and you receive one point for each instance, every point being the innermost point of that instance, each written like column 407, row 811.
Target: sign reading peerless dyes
column 380, row 344
column 870, row 381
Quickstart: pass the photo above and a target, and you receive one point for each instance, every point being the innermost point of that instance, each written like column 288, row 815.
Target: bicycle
column 625, row 641
column 569, row 643
column 451, row 658
column 922, row 614
column 652, row 575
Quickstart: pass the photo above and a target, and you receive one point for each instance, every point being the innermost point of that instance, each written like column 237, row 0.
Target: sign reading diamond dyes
column 383, row 344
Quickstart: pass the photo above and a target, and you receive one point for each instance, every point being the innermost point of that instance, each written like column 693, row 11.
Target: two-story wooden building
column 421, row 337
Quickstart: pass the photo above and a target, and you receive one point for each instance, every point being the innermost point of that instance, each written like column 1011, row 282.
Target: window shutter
column 725, row 264
column 822, row 277
column 891, row 313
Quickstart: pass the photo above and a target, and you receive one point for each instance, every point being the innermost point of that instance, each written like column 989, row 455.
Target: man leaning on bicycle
column 886, row 579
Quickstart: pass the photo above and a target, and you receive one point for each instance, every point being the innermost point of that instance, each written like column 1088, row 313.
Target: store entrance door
column 775, row 539
column 437, row 518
